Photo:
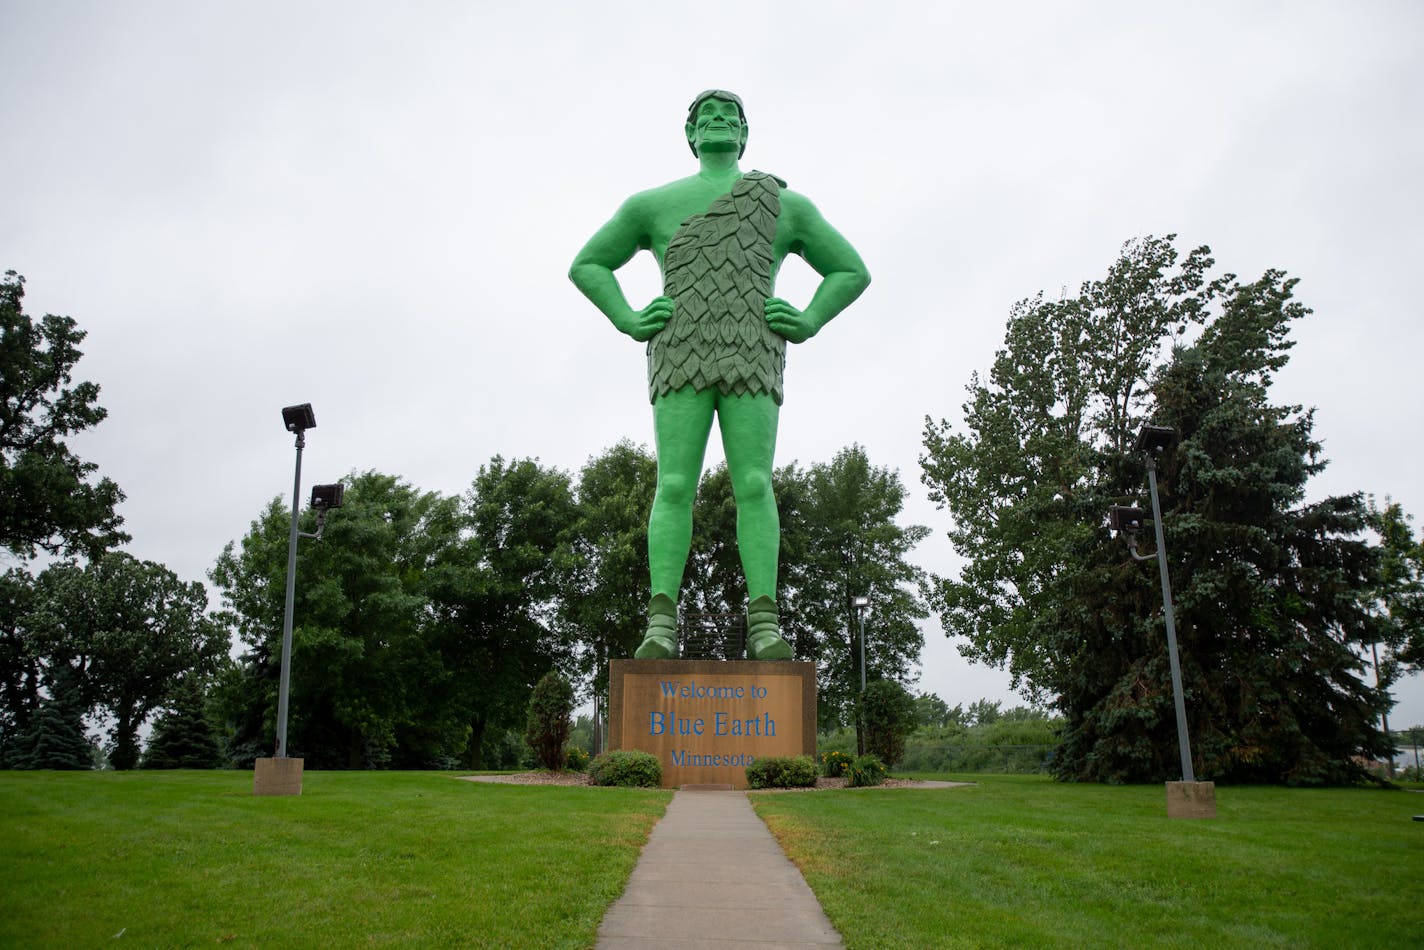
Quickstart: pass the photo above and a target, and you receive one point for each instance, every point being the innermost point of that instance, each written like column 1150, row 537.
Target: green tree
column 129, row 631
column 183, row 735
column 931, row 711
column 20, row 670
column 49, row 499
column 366, row 689
column 1271, row 592
column 889, row 720
column 605, row 602
column 494, row 594
column 547, row 727
column 983, row 712
column 55, row 737
column 1399, row 593
column 853, row 547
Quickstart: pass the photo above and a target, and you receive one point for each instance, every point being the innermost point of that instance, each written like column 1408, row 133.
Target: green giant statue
column 717, row 346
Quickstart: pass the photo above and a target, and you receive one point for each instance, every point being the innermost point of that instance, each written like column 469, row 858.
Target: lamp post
column 296, row 419
column 1188, row 798
column 281, row 774
column 860, row 604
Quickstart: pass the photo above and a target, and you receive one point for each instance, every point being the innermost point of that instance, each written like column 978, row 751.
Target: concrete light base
column 1191, row 799
column 281, row 776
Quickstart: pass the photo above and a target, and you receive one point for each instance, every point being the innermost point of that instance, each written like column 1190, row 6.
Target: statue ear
column 690, row 129
column 743, row 149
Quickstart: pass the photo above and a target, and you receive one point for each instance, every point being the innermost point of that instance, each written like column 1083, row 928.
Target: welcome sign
column 707, row 720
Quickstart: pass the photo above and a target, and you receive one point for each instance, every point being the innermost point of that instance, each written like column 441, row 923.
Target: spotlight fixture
column 327, row 496
column 299, row 418
column 1126, row 518
column 1154, row 440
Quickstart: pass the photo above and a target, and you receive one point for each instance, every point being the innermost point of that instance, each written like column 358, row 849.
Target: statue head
column 711, row 123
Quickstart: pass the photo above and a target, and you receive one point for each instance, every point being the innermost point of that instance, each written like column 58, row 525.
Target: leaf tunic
column 718, row 272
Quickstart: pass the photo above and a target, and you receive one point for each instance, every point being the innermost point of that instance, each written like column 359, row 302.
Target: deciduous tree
column 129, row 631
column 854, row 547
column 49, row 498
column 605, row 604
column 494, row 594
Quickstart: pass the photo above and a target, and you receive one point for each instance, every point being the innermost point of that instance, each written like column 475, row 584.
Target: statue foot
column 764, row 632
column 660, row 640
column 655, row 647
column 768, row 646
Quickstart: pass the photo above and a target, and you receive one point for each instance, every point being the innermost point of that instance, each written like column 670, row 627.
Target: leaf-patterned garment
column 717, row 270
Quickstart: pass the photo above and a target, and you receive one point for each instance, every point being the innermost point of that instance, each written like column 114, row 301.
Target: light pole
column 1193, row 799
column 281, row 774
column 297, row 419
column 860, row 604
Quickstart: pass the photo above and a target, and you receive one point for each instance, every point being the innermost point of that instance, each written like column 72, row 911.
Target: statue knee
column 751, row 489
column 675, row 489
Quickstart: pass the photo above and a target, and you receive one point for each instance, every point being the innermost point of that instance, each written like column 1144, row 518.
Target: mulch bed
column 581, row 778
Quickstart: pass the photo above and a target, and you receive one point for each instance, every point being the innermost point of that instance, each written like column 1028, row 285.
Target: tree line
column 424, row 620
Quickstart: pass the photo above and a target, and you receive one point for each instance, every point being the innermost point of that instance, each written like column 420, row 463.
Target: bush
column 576, row 759
column 627, row 768
column 550, row 705
column 889, row 720
column 865, row 771
column 834, row 764
column 782, row 771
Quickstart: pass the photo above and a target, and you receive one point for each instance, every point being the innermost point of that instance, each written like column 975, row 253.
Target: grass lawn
column 360, row 858
column 1027, row 862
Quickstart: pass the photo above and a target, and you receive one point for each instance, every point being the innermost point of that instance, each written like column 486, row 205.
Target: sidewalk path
column 713, row 877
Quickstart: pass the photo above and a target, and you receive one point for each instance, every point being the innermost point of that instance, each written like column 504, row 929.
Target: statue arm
column 592, row 273
column 844, row 276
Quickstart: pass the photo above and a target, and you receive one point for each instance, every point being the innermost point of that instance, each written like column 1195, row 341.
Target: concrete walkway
column 713, row 877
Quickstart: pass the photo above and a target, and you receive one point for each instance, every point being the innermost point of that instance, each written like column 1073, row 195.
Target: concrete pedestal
column 278, row 776
column 1191, row 799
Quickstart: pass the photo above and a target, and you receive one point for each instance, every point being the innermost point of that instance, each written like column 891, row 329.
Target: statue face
column 717, row 127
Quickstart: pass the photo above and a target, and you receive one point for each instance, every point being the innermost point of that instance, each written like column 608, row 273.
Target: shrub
column 865, row 771
column 549, row 708
column 626, row 767
column 835, row 763
column 889, row 720
column 576, row 759
column 782, row 771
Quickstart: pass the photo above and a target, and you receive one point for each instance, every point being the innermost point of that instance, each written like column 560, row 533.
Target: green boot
column 660, row 642
column 764, row 632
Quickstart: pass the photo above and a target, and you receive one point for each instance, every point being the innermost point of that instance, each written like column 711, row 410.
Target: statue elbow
column 862, row 281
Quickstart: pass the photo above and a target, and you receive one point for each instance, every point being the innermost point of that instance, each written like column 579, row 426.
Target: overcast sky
column 373, row 207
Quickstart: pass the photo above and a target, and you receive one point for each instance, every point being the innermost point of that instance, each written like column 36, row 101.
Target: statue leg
column 748, row 425
column 681, row 423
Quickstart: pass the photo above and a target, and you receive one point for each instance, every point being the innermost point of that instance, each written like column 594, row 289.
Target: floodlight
column 327, row 496
column 1154, row 440
column 1126, row 518
column 299, row 418
column 860, row 603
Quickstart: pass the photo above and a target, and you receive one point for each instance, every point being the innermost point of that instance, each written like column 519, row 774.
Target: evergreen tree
column 547, row 731
column 55, row 737
column 890, row 717
column 183, row 736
